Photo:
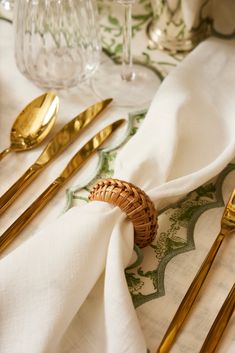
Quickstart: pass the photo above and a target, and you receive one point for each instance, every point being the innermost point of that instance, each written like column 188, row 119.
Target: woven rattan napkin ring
column 134, row 202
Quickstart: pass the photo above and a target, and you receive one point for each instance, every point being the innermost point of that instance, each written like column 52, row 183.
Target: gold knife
column 54, row 148
column 72, row 167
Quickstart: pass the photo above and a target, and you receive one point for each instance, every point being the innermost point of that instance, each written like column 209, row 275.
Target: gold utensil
column 227, row 227
column 217, row 329
column 33, row 124
column 54, row 148
column 73, row 166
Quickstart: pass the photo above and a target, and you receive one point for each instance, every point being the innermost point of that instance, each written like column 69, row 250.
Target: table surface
column 183, row 226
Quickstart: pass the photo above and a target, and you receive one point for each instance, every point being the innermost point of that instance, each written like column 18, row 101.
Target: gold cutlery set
column 31, row 126
column 47, row 106
column 221, row 321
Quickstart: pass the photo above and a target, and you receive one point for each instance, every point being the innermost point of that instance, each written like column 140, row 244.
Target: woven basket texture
column 138, row 207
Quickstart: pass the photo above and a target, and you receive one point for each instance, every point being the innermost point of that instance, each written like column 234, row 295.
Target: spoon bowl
column 33, row 124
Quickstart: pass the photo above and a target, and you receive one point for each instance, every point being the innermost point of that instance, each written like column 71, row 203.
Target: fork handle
column 16, row 189
column 213, row 338
column 5, row 152
column 13, row 231
column 190, row 296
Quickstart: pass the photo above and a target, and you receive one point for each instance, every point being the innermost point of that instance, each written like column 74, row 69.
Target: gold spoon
column 33, row 124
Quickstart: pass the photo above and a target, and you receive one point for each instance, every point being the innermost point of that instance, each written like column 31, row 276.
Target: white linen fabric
column 64, row 289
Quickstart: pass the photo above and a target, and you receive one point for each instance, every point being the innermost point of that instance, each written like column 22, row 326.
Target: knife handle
column 16, row 189
column 13, row 231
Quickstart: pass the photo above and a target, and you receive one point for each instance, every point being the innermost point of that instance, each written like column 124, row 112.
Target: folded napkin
column 64, row 289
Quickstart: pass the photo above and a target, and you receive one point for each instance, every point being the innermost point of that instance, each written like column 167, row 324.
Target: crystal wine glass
column 56, row 42
column 131, row 85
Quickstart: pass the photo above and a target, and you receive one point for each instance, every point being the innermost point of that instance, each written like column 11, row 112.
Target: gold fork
column 227, row 227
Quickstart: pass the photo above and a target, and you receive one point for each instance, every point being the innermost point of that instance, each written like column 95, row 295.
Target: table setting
column 117, row 166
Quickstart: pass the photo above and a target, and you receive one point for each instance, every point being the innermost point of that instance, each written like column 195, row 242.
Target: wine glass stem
column 127, row 73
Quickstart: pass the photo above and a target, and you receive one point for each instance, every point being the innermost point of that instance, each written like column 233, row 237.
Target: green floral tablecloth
column 146, row 277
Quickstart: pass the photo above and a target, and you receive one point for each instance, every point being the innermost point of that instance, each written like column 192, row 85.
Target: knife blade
column 61, row 140
column 72, row 167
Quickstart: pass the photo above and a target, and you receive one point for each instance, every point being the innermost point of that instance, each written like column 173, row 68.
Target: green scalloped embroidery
column 181, row 215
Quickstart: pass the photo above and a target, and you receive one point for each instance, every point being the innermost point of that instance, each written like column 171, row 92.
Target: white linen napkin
column 64, row 289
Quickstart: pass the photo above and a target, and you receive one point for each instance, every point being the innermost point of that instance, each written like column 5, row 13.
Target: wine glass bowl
column 56, row 41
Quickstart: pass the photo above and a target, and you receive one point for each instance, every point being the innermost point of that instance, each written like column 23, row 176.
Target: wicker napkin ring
column 134, row 202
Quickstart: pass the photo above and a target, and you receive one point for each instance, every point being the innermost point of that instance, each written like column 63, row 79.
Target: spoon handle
column 4, row 153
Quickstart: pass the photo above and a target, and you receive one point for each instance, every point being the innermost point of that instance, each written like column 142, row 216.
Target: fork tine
column 228, row 219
